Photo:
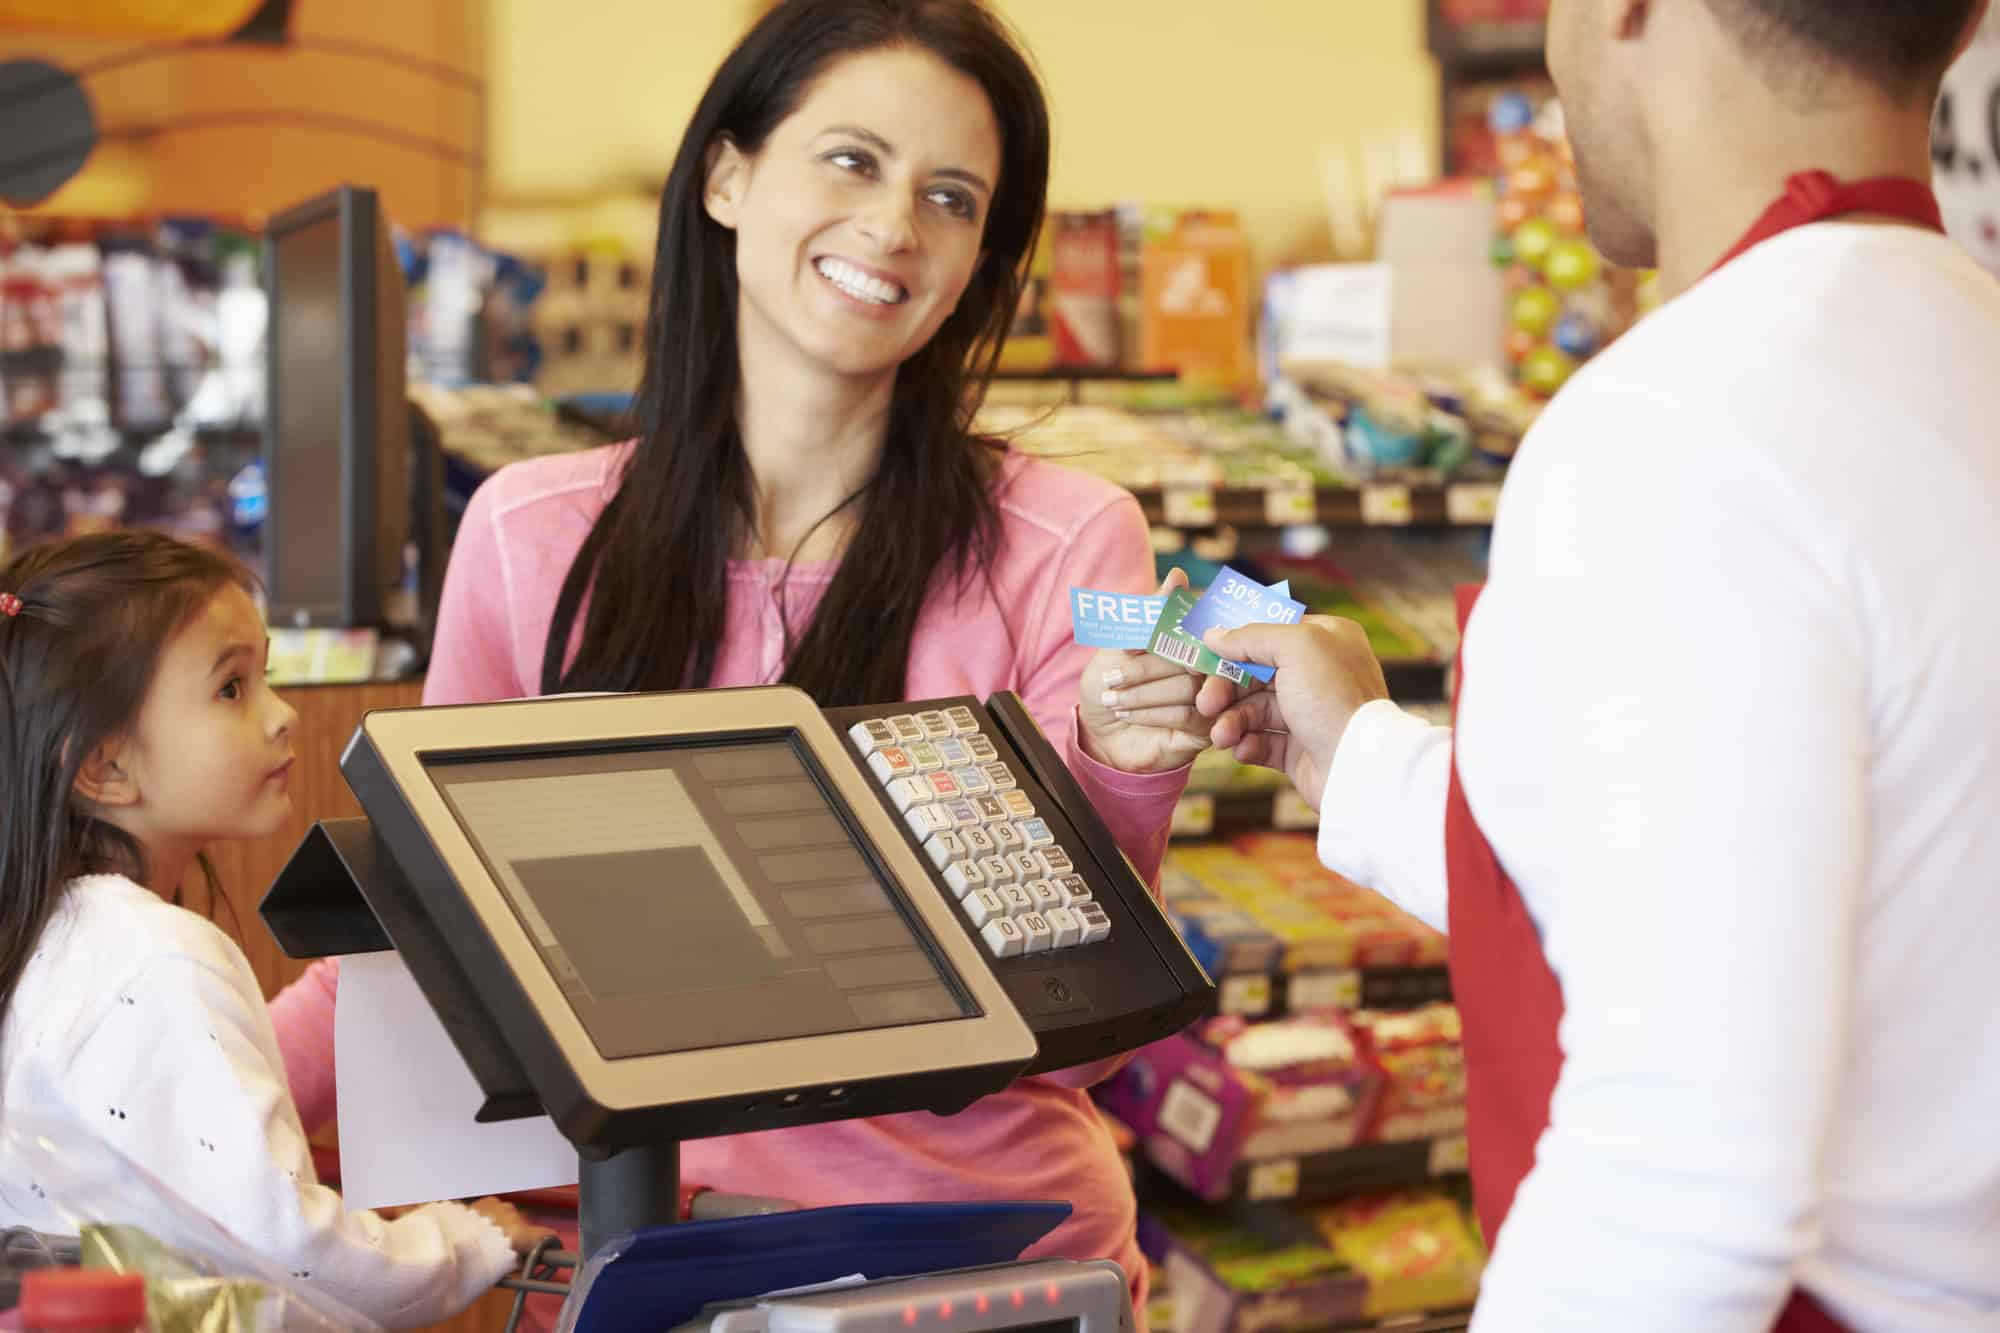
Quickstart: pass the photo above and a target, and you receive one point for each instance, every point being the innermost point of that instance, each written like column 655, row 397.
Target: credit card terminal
column 1077, row 940
column 668, row 916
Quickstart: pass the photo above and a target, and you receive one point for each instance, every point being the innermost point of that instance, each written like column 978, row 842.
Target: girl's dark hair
column 655, row 564
column 76, row 660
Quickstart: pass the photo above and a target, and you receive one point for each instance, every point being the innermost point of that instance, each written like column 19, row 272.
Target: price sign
column 1246, row 996
column 1189, row 506
column 1194, row 816
column 1386, row 506
column 1338, row 989
column 1471, row 503
column 1289, row 503
column 1274, row 1180
column 1449, row 1155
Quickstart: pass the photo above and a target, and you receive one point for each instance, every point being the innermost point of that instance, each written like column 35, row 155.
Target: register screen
column 699, row 895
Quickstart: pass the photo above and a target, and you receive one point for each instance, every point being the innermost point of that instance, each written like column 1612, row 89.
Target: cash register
column 656, row 917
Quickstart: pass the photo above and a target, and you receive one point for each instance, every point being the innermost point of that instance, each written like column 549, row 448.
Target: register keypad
column 1017, row 887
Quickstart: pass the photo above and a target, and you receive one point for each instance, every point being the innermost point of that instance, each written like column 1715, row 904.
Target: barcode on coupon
column 1178, row 650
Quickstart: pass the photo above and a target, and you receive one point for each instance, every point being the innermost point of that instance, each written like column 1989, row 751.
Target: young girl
column 841, row 247
column 136, row 726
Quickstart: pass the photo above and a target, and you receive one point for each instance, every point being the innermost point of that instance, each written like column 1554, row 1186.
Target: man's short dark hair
column 1899, row 45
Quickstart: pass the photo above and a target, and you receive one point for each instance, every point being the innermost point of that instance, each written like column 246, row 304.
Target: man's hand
column 1325, row 672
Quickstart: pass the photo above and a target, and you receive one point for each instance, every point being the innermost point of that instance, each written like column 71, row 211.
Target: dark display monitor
column 336, row 435
column 697, row 895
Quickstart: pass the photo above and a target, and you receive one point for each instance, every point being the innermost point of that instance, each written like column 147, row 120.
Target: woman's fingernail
column 1109, row 698
column 1113, row 678
column 1122, row 715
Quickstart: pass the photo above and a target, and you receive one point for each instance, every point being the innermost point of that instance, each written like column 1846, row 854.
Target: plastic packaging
column 202, row 1277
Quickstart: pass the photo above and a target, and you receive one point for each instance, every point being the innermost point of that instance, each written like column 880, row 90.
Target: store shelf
column 1324, row 1177
column 1321, row 1177
column 1376, row 505
column 1266, row 996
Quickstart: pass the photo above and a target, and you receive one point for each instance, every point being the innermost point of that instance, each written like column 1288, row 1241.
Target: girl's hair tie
column 10, row 605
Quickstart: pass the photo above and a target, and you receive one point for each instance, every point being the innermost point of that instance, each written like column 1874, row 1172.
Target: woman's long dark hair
column 76, row 660
column 655, row 565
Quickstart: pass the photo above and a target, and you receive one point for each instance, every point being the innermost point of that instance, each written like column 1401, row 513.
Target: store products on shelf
column 1419, row 1249
column 1315, row 1089
column 1219, row 1274
column 1195, row 284
column 1305, row 1086
column 1422, row 1061
column 1381, row 421
column 1319, row 919
column 1150, row 450
column 486, row 426
column 1564, row 304
column 1083, row 289
column 1242, row 1108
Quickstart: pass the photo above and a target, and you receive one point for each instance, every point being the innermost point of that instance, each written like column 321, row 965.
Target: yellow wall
column 1225, row 103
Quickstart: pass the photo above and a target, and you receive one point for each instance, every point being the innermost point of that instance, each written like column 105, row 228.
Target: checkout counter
column 661, row 917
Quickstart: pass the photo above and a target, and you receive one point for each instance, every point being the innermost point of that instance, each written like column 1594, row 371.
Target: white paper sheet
column 406, row 1103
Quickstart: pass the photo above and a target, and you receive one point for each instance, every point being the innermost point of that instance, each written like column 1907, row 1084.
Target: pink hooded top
column 1040, row 1138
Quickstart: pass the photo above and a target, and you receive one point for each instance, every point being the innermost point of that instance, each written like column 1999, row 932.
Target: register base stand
column 626, row 1190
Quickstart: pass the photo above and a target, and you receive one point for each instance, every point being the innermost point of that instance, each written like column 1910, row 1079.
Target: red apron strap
column 1815, row 196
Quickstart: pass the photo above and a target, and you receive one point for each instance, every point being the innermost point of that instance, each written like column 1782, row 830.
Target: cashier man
column 1717, row 834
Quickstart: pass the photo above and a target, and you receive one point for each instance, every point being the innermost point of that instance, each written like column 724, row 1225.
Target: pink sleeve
column 302, row 1017
column 472, row 654
column 1113, row 551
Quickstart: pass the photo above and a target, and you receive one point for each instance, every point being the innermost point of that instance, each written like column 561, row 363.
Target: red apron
column 1508, row 998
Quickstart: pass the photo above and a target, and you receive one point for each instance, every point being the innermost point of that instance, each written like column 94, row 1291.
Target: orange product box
column 1194, row 278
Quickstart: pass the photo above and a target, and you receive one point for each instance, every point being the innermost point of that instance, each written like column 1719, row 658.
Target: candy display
column 1418, row 1248
column 1228, row 1093
column 1216, row 1274
column 1318, row 919
column 1213, row 1105
column 1423, row 1068
column 1565, row 306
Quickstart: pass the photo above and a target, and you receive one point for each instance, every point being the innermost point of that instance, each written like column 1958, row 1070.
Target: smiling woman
column 841, row 245
column 903, row 148
column 852, row 248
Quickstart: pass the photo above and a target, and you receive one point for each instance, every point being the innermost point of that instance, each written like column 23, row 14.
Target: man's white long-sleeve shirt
column 1730, row 721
